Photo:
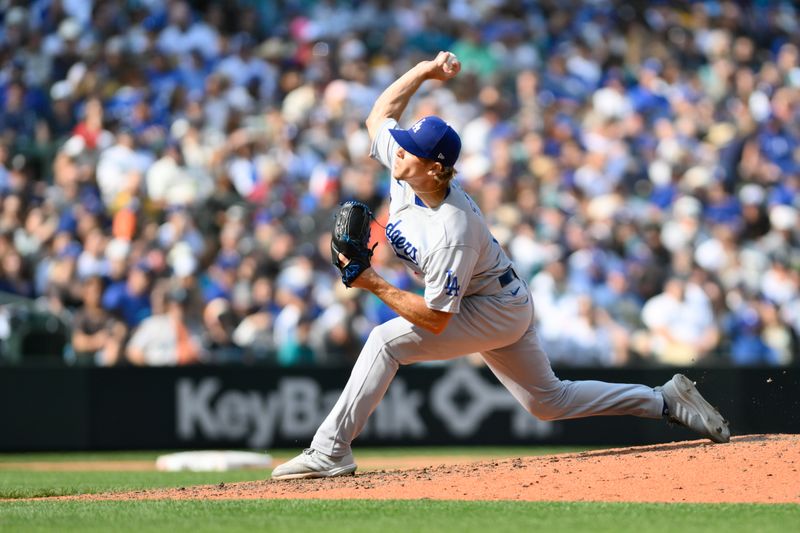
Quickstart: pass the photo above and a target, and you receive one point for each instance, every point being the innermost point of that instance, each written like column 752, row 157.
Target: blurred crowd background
column 169, row 172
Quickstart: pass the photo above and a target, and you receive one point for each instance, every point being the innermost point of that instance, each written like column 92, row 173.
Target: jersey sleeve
column 447, row 274
column 383, row 145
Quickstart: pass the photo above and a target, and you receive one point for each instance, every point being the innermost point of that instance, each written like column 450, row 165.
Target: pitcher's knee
column 397, row 342
column 385, row 334
column 383, row 340
column 549, row 405
column 376, row 339
column 543, row 412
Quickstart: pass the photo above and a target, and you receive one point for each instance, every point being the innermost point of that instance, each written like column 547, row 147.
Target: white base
column 212, row 461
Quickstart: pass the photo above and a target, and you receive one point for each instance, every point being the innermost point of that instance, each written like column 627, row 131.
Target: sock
column 665, row 410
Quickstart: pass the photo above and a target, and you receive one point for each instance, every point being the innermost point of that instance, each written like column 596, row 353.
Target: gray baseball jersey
column 466, row 273
column 450, row 247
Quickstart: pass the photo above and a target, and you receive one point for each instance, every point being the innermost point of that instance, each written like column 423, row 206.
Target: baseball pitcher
column 473, row 300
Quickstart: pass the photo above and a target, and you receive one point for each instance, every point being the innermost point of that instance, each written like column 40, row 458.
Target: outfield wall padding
column 261, row 408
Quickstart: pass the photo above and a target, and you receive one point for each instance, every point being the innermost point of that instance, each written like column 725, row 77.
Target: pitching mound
column 755, row 468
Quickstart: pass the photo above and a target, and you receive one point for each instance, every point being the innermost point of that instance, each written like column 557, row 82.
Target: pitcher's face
column 416, row 171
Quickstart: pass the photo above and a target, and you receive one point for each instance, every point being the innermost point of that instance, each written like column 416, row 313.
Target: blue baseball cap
column 430, row 138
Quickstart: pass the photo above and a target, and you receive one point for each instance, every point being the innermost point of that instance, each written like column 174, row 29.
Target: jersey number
column 451, row 286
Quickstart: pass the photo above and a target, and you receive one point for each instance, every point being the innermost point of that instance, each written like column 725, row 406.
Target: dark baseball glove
column 351, row 232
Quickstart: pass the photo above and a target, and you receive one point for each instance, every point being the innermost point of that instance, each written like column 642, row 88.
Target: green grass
column 465, row 451
column 20, row 483
column 25, row 484
column 388, row 516
column 63, row 457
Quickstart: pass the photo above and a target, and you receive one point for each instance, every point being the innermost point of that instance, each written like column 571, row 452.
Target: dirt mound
column 754, row 468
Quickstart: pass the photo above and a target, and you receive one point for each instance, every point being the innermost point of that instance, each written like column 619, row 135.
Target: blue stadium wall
column 264, row 408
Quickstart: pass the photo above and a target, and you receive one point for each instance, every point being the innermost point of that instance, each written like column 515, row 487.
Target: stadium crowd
column 169, row 171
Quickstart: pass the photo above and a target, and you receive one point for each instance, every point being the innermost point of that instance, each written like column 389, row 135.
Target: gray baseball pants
column 501, row 328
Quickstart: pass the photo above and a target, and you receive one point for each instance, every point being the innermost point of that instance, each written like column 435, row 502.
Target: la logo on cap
column 430, row 138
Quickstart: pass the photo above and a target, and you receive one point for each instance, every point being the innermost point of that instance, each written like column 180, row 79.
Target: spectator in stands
column 17, row 117
column 14, row 278
column 129, row 298
column 170, row 182
column 168, row 339
column 624, row 143
column 253, row 333
column 91, row 127
column 335, row 335
column 97, row 338
column 120, row 171
column 180, row 228
column 92, row 260
column 680, row 324
column 219, row 323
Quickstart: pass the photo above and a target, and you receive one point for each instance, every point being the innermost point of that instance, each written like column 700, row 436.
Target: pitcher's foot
column 311, row 464
column 686, row 406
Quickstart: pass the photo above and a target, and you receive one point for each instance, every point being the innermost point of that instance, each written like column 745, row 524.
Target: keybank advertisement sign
column 79, row 408
column 458, row 404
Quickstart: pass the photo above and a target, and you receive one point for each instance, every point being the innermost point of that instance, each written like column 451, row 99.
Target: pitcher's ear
column 435, row 168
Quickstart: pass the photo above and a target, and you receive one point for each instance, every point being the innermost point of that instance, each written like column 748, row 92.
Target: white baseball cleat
column 312, row 464
column 687, row 407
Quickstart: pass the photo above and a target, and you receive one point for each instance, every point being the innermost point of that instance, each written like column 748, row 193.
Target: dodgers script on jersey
column 455, row 257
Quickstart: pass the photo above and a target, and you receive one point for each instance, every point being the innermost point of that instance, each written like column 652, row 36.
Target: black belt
column 507, row 277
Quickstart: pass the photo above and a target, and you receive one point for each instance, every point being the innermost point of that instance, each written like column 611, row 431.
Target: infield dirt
column 749, row 469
